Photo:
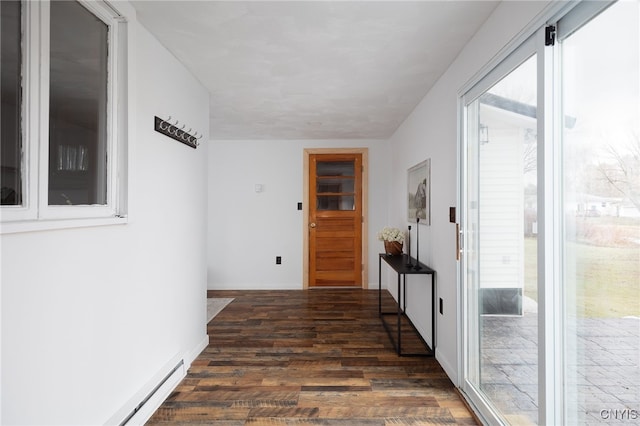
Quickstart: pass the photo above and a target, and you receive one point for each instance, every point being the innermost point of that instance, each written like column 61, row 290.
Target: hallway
column 318, row 357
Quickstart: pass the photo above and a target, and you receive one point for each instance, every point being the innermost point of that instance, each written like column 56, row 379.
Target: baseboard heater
column 152, row 393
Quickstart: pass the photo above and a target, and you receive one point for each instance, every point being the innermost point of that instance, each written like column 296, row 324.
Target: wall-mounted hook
column 165, row 122
column 176, row 131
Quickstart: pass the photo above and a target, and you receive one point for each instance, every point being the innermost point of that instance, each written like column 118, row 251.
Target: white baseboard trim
column 139, row 409
column 124, row 414
column 451, row 372
column 254, row 286
column 193, row 354
column 156, row 398
column 262, row 286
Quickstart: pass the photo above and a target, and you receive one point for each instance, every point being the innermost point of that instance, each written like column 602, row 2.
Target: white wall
column 431, row 131
column 93, row 317
column 247, row 230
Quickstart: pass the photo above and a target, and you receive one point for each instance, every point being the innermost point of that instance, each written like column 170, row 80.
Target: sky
column 602, row 77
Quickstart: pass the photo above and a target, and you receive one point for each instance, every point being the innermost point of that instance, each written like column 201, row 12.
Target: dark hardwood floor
column 316, row 357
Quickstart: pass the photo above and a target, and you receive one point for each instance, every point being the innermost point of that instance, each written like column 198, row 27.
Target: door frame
column 469, row 147
column 365, row 209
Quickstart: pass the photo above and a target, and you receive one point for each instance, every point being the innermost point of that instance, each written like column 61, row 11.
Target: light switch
column 258, row 187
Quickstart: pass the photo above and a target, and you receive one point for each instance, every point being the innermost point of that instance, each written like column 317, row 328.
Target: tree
column 623, row 173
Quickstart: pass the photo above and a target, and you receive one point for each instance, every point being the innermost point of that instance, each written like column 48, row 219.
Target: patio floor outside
column 606, row 372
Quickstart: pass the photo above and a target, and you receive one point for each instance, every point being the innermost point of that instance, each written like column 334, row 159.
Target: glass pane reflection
column 335, row 202
column 11, row 146
column 335, row 185
column 78, row 106
column 335, row 168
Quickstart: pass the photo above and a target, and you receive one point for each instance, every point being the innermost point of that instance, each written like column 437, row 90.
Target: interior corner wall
column 431, row 131
column 91, row 317
column 248, row 229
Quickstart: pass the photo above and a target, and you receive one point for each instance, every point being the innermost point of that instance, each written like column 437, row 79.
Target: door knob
column 312, row 225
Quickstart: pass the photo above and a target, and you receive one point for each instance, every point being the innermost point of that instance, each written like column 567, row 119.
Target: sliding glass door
column 601, row 212
column 501, row 229
column 550, row 197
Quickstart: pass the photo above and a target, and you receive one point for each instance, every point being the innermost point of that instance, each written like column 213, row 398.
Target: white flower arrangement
column 391, row 234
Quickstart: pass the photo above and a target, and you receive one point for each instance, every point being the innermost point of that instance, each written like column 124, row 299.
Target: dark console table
column 404, row 265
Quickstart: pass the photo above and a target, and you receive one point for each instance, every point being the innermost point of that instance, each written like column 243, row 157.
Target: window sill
column 48, row 225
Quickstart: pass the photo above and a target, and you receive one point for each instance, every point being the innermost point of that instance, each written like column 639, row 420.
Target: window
column 77, row 106
column 11, row 137
column 335, row 185
column 62, row 137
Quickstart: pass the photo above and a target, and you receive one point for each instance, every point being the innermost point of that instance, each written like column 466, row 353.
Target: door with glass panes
column 335, row 220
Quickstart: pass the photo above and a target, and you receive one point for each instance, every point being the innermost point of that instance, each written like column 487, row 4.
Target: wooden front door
column 335, row 220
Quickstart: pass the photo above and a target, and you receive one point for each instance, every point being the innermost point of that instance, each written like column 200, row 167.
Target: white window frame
column 35, row 212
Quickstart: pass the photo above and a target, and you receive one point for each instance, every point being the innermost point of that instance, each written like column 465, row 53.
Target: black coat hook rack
column 177, row 133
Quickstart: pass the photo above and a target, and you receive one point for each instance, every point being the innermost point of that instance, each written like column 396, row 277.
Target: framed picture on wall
column 419, row 192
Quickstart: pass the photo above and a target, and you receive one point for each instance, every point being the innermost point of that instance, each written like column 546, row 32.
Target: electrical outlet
column 278, row 260
column 441, row 303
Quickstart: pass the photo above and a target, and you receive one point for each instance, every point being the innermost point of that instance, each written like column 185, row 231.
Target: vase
column 393, row 248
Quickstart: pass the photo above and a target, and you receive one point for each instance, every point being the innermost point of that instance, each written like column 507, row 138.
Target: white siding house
column 509, row 126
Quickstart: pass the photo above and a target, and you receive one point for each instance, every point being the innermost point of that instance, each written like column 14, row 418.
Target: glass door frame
column 524, row 51
column 533, row 40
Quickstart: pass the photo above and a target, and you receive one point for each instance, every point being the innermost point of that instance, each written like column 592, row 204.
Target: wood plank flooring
column 316, row 357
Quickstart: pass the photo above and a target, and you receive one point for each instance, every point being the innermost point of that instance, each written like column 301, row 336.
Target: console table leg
column 399, row 320
column 379, row 286
column 404, row 294
column 434, row 313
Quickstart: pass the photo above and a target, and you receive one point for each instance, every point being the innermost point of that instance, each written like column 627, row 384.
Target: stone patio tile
column 606, row 374
column 599, row 399
column 521, row 374
column 625, row 395
column 493, row 375
column 626, row 357
column 525, row 404
column 530, row 390
column 502, row 356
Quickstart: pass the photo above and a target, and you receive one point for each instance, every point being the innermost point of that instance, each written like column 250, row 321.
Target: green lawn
column 605, row 282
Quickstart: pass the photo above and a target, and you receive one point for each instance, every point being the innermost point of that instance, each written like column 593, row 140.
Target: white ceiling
column 313, row 69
